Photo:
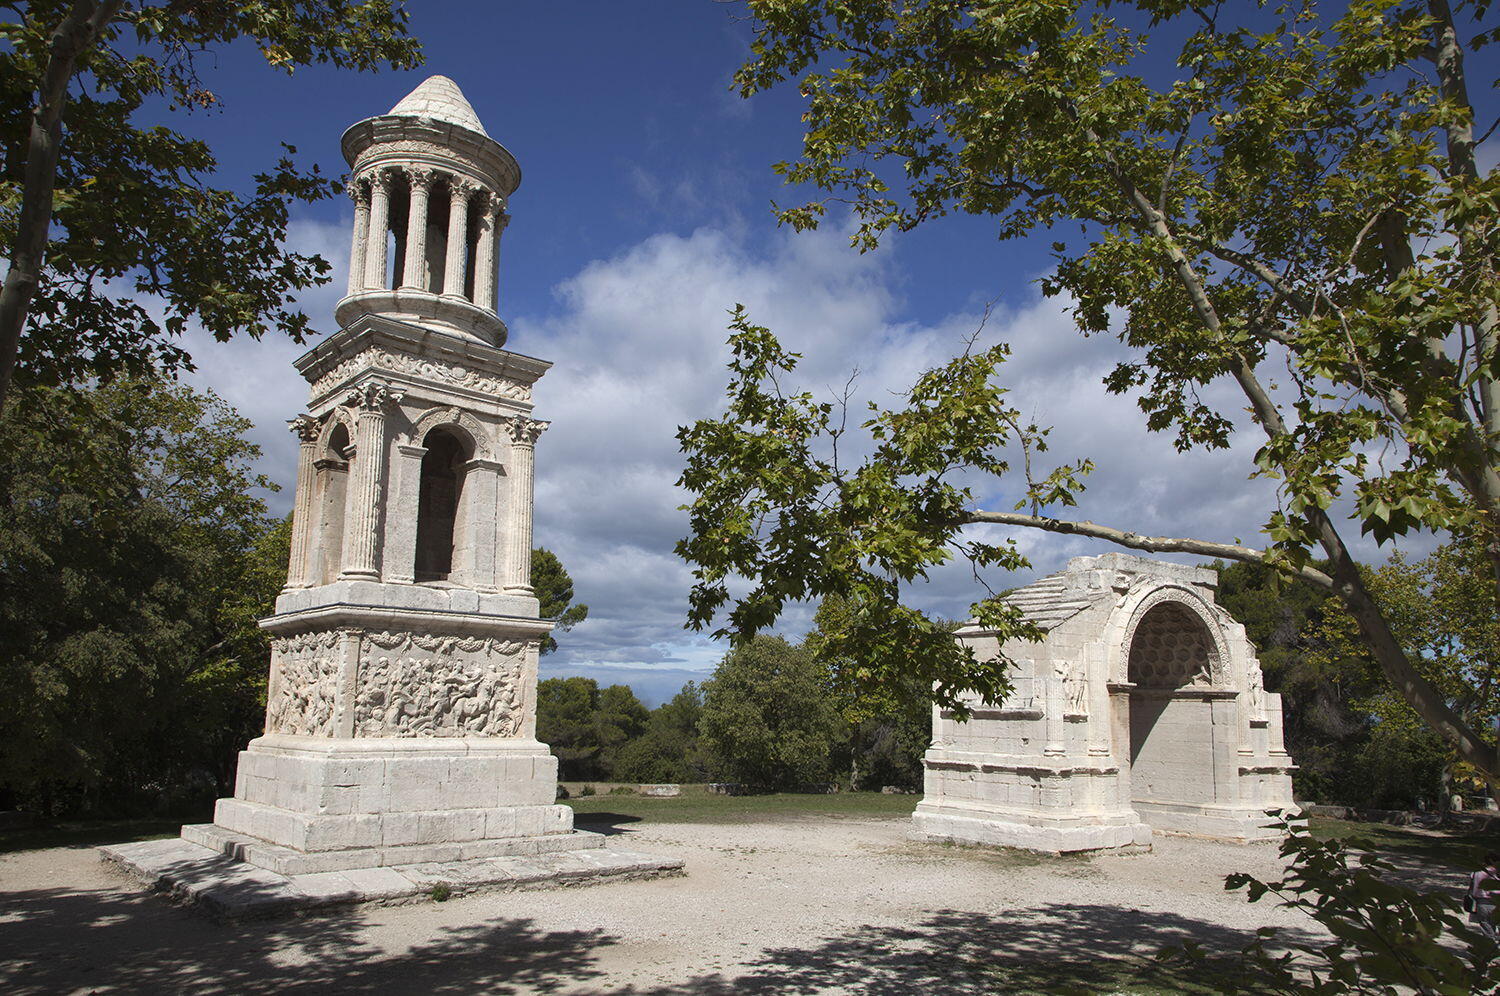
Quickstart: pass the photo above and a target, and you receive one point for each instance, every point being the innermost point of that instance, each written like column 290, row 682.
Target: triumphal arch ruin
column 1143, row 709
column 400, row 742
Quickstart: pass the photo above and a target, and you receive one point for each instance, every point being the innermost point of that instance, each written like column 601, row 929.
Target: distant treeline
column 136, row 557
column 768, row 718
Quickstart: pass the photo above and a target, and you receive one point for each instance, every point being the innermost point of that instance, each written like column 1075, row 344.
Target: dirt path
column 790, row 907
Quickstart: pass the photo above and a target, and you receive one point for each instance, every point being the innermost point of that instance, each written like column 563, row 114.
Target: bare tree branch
column 1151, row 544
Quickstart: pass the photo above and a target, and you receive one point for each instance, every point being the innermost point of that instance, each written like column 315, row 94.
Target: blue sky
column 642, row 216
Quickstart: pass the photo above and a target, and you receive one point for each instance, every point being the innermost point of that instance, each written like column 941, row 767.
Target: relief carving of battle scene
column 408, row 685
column 304, row 681
column 416, row 685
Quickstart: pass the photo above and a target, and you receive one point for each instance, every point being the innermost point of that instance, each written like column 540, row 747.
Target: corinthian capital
column 525, row 431
column 306, row 427
column 374, row 397
column 419, row 176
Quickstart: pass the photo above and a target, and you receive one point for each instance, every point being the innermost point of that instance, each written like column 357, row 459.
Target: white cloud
column 638, row 343
column 258, row 379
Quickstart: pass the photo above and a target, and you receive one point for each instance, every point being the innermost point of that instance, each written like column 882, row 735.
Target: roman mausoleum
column 401, row 706
column 1143, row 709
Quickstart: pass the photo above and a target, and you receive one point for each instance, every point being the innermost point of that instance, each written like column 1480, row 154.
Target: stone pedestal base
column 311, row 804
column 1029, row 831
column 366, row 797
column 1207, row 820
column 322, row 822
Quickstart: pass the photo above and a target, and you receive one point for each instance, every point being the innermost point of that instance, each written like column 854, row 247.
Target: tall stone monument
column 1142, row 710
column 401, row 707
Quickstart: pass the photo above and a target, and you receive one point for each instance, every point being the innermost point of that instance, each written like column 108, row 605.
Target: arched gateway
column 1142, row 709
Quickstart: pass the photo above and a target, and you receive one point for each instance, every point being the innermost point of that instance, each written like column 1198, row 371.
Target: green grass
column 86, row 833
column 1458, row 849
column 1116, row 976
column 700, row 807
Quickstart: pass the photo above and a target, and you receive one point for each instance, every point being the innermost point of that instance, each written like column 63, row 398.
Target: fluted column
column 458, row 236
column 298, row 571
column 358, row 250
column 366, row 498
column 380, row 222
column 523, row 434
column 416, row 228
column 491, row 223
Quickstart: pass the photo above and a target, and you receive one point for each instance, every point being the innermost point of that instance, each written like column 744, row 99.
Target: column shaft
column 299, row 570
column 524, row 433
column 458, row 239
column 357, row 250
column 523, row 457
column 416, row 230
column 380, row 223
column 484, row 262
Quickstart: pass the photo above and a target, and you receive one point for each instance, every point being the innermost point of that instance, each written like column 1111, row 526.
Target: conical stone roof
column 439, row 99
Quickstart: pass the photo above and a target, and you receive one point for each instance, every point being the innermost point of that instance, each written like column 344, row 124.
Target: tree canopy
column 554, row 591
column 115, row 235
column 767, row 719
column 1286, row 198
column 135, row 560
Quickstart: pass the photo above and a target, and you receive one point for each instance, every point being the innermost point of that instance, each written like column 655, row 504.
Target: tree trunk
column 79, row 30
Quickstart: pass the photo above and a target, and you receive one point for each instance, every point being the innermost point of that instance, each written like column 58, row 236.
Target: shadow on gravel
column 609, row 824
column 61, row 940
column 1103, row 949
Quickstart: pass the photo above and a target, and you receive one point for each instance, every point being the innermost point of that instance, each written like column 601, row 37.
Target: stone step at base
column 229, row 889
column 290, row 861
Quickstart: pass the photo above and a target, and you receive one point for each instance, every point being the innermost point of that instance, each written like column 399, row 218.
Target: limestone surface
column 401, row 702
column 1144, row 709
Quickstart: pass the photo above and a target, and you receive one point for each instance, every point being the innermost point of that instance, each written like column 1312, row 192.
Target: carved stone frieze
column 304, row 680
column 425, row 369
column 418, row 685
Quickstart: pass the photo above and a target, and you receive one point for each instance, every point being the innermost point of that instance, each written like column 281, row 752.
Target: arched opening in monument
column 471, row 254
column 1171, row 664
column 332, row 469
column 439, row 505
column 400, row 215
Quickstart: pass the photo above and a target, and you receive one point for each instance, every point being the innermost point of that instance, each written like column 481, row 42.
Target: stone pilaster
column 358, row 249
column 458, row 236
column 398, row 561
column 524, row 433
column 362, row 520
column 416, row 229
column 299, row 571
column 380, row 222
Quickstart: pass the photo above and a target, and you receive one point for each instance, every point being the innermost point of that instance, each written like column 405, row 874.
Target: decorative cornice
column 449, row 374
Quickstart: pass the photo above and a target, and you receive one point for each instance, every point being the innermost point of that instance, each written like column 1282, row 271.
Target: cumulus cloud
column 638, row 342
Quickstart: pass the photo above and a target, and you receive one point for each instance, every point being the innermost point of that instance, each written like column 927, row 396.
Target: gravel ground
column 793, row 906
